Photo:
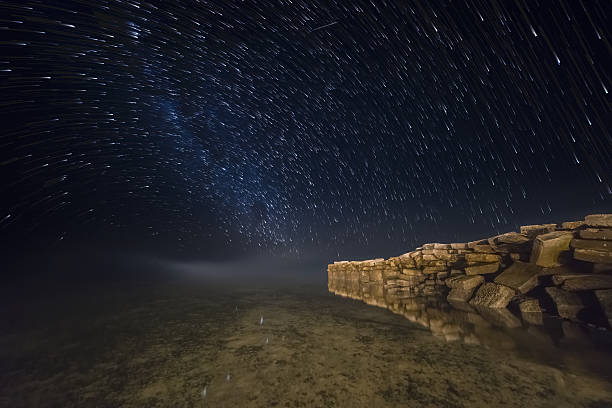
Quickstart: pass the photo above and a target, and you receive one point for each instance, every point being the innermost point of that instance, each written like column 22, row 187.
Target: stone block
column 442, row 246
column 519, row 276
column 492, row 295
column 465, row 282
column 482, row 258
column 591, row 255
column 376, row 276
column 583, row 282
column 604, row 297
column 499, row 316
column 572, row 224
column 482, row 269
column 472, row 244
column 442, row 275
column 598, row 220
column 568, row 304
column 598, row 245
column 548, row 247
column 459, row 245
column 433, row 269
column 483, row 248
column 593, row 233
column 531, row 231
column 428, row 246
column 531, row 312
column 558, row 279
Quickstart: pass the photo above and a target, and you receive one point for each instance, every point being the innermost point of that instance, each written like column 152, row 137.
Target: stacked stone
column 569, row 260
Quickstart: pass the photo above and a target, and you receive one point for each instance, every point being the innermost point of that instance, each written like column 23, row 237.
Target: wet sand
column 162, row 345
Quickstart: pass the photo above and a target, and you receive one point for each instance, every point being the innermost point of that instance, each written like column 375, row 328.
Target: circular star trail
column 349, row 128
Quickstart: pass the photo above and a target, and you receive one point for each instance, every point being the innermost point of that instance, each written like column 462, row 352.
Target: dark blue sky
column 218, row 129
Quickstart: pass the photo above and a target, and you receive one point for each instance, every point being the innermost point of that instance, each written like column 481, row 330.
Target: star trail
column 348, row 128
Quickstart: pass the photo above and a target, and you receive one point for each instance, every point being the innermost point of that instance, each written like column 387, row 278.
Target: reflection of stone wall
column 563, row 269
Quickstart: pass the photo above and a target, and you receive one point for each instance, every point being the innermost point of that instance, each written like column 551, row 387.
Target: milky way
column 344, row 127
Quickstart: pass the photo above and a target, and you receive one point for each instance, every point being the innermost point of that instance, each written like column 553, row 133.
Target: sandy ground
column 163, row 345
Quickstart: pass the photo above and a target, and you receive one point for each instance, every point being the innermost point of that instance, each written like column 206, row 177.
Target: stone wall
column 562, row 269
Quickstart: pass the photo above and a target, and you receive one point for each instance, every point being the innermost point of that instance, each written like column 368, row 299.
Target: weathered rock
column 592, row 233
column 509, row 238
column 510, row 242
column 520, row 276
column 531, row 312
column 442, row 246
column 572, row 224
column 591, row 255
column 482, row 269
column 411, row 271
column 604, row 297
column 486, row 248
column 459, row 245
column 472, row 244
column 465, row 282
column 492, row 295
column 433, row 269
column 459, row 295
column 481, row 258
column 562, row 277
column 588, row 283
column 532, row 231
column 568, row 304
column 599, row 245
column 499, row 316
column 428, row 246
column 548, row 247
column 598, row 220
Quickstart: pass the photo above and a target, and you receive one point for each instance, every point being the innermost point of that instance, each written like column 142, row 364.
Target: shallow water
column 163, row 344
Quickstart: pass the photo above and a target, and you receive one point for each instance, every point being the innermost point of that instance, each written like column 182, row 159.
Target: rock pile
column 560, row 269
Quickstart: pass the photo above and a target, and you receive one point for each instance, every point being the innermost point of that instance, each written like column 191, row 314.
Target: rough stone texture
column 462, row 288
column 510, row 242
column 482, row 269
column 483, row 248
column 592, row 233
column 598, row 220
column 499, row 316
column 458, row 245
column 577, row 259
column 530, row 305
column 574, row 284
column 591, row 255
column 559, row 279
column 481, row 258
column 459, row 295
column 604, row 297
column 466, row 282
column 548, row 247
column 520, row 276
column 532, row 231
column 599, row 245
column 493, row 296
column 572, row 224
column 531, row 312
column 568, row 304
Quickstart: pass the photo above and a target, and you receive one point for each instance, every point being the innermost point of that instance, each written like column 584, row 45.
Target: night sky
column 338, row 129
